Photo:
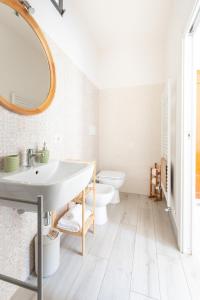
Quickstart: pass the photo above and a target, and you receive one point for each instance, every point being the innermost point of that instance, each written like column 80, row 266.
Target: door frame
column 188, row 136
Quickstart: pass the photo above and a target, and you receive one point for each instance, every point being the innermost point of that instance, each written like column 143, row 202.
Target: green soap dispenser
column 44, row 156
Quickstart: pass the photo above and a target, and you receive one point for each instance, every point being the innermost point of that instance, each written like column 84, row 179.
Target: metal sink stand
column 39, row 288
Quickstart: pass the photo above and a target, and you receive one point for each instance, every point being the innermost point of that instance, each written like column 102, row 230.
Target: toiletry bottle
column 44, row 157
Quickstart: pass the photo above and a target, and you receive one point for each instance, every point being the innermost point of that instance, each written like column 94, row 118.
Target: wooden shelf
column 88, row 224
column 90, row 221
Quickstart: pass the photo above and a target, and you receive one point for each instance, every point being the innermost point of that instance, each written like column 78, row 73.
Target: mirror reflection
column 24, row 68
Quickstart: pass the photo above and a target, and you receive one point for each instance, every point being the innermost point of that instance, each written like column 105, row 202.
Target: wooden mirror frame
column 16, row 5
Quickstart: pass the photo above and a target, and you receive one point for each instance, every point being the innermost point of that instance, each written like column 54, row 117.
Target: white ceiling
column 116, row 22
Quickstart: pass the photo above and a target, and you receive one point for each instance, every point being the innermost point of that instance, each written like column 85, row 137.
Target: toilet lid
column 111, row 174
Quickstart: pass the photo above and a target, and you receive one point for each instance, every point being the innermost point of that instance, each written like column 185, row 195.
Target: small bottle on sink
column 44, row 156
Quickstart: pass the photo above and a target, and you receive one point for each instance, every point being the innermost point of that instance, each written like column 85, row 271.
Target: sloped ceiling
column 116, row 22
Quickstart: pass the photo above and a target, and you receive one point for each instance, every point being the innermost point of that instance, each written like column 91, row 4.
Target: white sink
column 59, row 182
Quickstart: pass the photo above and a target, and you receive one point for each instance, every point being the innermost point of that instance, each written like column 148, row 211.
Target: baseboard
column 173, row 225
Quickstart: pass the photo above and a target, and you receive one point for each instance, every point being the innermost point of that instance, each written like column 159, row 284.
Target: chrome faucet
column 30, row 156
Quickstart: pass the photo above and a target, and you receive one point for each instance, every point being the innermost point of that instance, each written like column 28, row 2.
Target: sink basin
column 58, row 181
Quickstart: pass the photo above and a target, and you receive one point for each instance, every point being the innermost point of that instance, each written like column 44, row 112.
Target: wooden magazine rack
column 155, row 183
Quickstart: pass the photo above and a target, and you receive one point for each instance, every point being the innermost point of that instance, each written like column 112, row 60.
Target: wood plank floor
column 133, row 257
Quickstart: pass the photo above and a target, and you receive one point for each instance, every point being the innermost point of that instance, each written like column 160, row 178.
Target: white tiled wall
column 65, row 128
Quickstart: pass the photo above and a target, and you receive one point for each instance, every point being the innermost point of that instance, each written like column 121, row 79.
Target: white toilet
column 104, row 195
column 113, row 178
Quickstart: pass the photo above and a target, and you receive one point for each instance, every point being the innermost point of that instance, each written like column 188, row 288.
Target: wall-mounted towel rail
column 166, row 142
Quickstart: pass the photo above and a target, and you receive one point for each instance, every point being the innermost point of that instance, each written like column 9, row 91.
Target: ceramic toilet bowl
column 104, row 195
column 113, row 178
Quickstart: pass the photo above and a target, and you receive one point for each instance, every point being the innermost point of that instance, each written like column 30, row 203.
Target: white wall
column 131, row 79
column 130, row 133
column 70, row 33
column 139, row 63
column 178, row 22
column 196, row 49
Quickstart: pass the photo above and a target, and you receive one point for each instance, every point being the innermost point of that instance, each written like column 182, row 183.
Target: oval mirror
column 27, row 74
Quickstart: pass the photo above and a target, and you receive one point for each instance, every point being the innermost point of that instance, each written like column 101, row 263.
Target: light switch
column 92, row 130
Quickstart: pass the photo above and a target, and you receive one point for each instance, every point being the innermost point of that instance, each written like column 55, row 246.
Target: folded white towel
column 70, row 227
column 154, row 181
column 73, row 224
column 154, row 172
column 74, row 212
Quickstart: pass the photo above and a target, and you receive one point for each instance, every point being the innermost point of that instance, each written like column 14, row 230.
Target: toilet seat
column 113, row 178
column 114, row 175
